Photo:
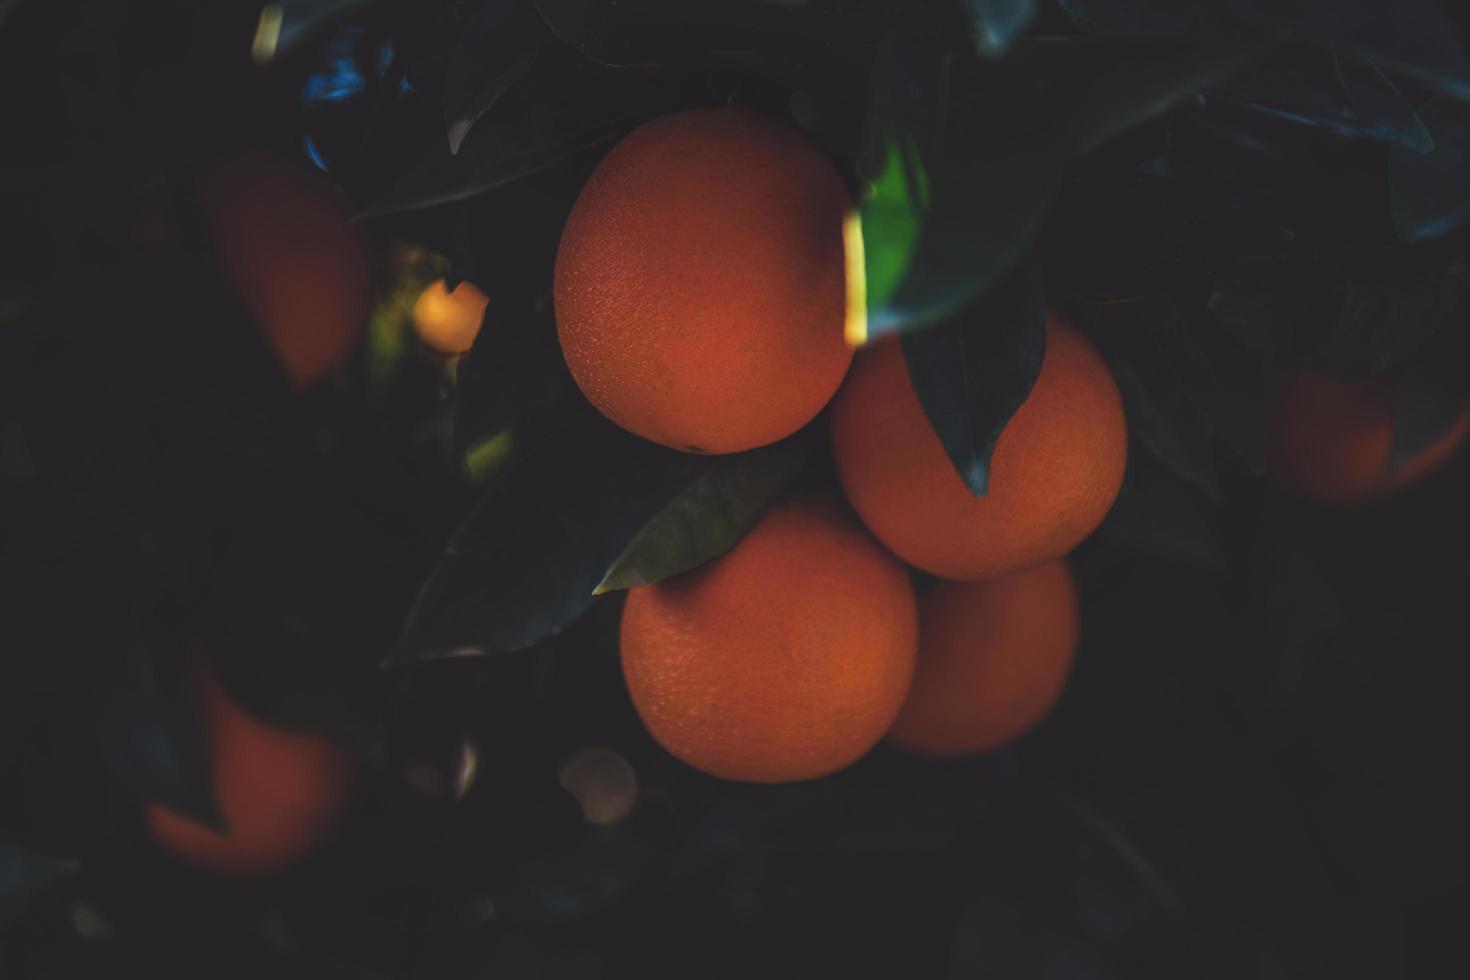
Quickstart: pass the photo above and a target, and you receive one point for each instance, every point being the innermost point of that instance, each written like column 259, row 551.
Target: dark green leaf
column 708, row 517
column 556, row 111
column 148, row 723
column 1317, row 88
column 1148, row 82
column 15, row 455
column 1353, row 312
column 525, row 563
column 24, row 874
column 1429, row 193
column 1412, row 37
column 973, row 373
column 1158, row 515
column 1176, row 436
column 495, row 50
column 998, row 23
column 991, row 180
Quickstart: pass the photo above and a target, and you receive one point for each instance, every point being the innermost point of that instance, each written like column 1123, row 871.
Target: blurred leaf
column 1177, row 436
column 1317, row 88
column 1158, row 515
column 1414, row 37
column 495, row 50
column 1228, row 384
column 1002, row 935
column 148, row 724
column 525, row 563
column 723, row 500
column 1114, row 836
column 285, row 24
column 24, row 874
column 1355, row 312
column 1423, row 411
column 1148, row 81
column 556, row 111
column 998, row 23
column 973, row 373
column 1429, row 193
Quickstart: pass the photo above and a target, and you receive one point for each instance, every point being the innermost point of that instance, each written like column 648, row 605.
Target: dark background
column 1255, row 769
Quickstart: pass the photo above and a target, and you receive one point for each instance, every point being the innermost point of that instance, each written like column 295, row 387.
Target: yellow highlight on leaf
column 267, row 34
column 855, row 327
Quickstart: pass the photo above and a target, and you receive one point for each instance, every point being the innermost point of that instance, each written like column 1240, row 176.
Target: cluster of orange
column 700, row 298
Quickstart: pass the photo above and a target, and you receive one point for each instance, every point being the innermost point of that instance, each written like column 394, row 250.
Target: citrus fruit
column 278, row 791
column 993, row 659
column 785, row 659
column 285, row 245
column 699, row 283
column 1332, row 441
column 1056, row 470
column 448, row 321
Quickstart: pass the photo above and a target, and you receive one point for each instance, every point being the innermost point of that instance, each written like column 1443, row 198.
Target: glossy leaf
column 991, row 179
column 495, row 50
column 1429, row 193
column 724, row 498
column 973, row 373
column 998, row 23
column 556, row 111
column 24, row 874
column 525, row 562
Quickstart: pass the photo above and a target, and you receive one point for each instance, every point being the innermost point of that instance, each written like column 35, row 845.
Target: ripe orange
column 993, row 659
column 286, row 247
column 1057, row 467
column 1332, row 441
column 449, row 321
column 785, row 659
column 699, row 284
column 279, row 792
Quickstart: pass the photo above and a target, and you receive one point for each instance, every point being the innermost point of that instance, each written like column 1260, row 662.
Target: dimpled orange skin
column 286, row 247
column 279, row 792
column 1056, row 470
column 699, row 283
column 449, row 321
column 1332, row 441
column 785, row 659
column 993, row 660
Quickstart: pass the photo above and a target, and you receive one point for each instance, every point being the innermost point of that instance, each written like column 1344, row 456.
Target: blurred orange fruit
column 278, row 791
column 785, row 659
column 286, row 246
column 699, row 283
column 1332, row 441
column 448, row 321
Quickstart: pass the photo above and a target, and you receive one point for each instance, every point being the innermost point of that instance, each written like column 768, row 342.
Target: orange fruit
column 1332, row 441
column 449, row 321
column 699, row 284
column 993, row 659
column 287, row 248
column 278, row 791
column 785, row 659
column 1056, row 470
